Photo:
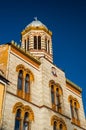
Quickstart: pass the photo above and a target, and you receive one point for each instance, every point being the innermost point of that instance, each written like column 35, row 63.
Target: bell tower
column 37, row 40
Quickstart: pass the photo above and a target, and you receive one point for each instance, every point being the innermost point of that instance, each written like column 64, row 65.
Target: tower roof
column 36, row 23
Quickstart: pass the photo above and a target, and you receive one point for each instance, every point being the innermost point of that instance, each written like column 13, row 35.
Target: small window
column 60, row 127
column 27, row 83
column 71, row 107
column 55, row 125
column 35, row 42
column 28, row 44
column 46, row 43
column 39, row 42
column 57, row 98
column 76, row 111
column 52, row 94
column 26, row 121
column 48, row 46
column 20, row 79
column 18, row 120
column 25, row 45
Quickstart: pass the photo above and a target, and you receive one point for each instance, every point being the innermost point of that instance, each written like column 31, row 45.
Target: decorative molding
column 24, row 109
column 59, row 121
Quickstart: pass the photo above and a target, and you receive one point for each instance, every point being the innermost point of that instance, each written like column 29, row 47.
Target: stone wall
column 40, row 101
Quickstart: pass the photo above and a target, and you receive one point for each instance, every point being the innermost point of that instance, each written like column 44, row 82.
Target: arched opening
column 52, row 94
column 60, row 127
column 18, row 120
column 39, row 42
column 58, row 103
column 27, row 83
column 26, row 122
column 20, row 80
column 28, row 44
column 55, row 125
column 35, row 42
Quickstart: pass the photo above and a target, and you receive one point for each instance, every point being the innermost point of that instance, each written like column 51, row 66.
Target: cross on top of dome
column 36, row 23
column 35, row 18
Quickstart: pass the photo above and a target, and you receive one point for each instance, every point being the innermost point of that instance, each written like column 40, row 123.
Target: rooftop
column 36, row 23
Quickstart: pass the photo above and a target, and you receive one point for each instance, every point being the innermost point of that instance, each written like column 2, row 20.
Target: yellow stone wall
column 1, row 98
column 3, row 57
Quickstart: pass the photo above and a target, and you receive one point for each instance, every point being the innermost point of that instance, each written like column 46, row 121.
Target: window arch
column 28, row 44
column 26, row 122
column 55, row 125
column 25, row 78
column 37, row 42
column 24, row 116
column 74, row 108
column 20, row 80
column 27, row 83
column 58, row 99
column 71, row 108
column 56, row 96
column 76, row 111
column 52, row 94
column 18, row 120
column 60, row 127
column 58, row 123
column 25, row 44
column 46, row 43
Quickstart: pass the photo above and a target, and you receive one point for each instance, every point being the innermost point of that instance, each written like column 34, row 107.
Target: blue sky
column 65, row 18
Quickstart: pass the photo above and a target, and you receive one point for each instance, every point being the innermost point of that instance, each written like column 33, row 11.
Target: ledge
column 74, row 85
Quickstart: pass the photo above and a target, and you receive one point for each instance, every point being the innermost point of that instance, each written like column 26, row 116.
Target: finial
column 35, row 18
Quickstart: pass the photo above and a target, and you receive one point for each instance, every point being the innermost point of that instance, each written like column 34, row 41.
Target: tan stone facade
column 37, row 88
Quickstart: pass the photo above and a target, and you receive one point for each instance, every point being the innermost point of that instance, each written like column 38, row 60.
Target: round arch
column 20, row 67
column 59, row 121
column 17, row 106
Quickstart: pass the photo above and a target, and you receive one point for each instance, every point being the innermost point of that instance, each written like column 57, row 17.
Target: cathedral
column 34, row 93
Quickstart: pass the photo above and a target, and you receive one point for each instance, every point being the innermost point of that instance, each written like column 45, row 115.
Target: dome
column 36, row 23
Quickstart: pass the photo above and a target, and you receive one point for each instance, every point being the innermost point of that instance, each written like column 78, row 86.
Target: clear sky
column 65, row 18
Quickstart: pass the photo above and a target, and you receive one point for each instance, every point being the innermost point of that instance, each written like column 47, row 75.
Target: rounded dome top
column 36, row 23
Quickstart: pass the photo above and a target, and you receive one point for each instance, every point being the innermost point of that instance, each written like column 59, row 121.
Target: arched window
column 25, row 44
column 56, row 96
column 27, row 83
column 46, row 43
column 52, row 94
column 74, row 107
column 35, row 42
column 60, row 127
column 58, row 123
column 20, row 80
column 28, row 44
column 18, row 120
column 23, row 116
column 25, row 78
column 39, row 42
column 26, row 123
column 55, row 125
column 71, row 108
column 76, row 111
column 58, row 99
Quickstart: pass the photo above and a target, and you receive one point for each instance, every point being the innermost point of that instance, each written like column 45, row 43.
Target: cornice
column 36, row 28
column 27, row 54
column 74, row 85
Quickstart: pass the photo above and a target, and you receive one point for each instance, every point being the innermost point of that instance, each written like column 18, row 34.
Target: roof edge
column 18, row 47
column 74, row 85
